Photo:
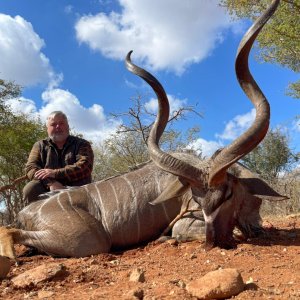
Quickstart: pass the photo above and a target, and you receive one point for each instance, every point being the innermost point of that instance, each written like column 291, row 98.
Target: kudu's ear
column 259, row 188
column 255, row 185
column 175, row 189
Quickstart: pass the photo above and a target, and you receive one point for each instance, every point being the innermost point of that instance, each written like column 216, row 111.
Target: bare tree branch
column 138, row 112
column 13, row 184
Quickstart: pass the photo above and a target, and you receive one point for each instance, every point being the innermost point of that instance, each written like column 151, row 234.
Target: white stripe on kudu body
column 133, row 207
column 98, row 200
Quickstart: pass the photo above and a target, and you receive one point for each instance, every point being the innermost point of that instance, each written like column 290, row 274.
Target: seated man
column 58, row 161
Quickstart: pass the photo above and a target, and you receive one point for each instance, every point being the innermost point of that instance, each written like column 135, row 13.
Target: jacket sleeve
column 83, row 166
column 34, row 162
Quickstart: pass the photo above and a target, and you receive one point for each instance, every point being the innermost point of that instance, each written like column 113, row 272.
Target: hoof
column 5, row 265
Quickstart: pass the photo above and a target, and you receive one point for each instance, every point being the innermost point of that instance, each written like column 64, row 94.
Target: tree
column 294, row 90
column 8, row 90
column 119, row 153
column 279, row 40
column 127, row 148
column 272, row 156
column 17, row 135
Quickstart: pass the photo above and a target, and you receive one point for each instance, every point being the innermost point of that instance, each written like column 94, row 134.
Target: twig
column 179, row 216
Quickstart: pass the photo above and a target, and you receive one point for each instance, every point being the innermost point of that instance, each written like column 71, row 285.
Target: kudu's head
column 229, row 200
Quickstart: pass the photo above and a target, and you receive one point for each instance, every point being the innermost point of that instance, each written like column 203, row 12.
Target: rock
column 45, row 294
column 172, row 242
column 94, row 262
column 5, row 265
column 193, row 256
column 134, row 294
column 42, row 273
column 137, row 275
column 219, row 284
column 30, row 295
column 179, row 283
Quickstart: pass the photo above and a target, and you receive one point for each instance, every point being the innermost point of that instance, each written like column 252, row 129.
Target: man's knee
column 32, row 190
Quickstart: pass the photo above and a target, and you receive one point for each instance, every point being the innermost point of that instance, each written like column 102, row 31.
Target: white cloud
column 206, row 148
column 20, row 50
column 130, row 84
column 163, row 34
column 296, row 125
column 233, row 129
column 91, row 122
column 237, row 126
column 175, row 104
column 23, row 105
column 239, row 28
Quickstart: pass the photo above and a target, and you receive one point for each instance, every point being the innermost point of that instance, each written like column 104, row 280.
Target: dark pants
column 32, row 190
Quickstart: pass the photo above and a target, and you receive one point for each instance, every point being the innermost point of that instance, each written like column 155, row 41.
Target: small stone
column 45, row 294
column 179, row 283
column 30, row 295
column 193, row 256
column 250, row 280
column 134, row 294
column 137, row 275
column 172, row 242
column 94, row 262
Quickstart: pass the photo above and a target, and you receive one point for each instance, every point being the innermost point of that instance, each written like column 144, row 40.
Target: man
column 60, row 160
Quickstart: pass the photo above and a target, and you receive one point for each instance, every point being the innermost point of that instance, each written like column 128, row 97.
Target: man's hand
column 49, row 173
column 44, row 173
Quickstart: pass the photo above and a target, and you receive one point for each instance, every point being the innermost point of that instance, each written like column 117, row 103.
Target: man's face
column 58, row 129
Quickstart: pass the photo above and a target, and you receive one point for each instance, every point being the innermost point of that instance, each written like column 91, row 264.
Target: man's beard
column 59, row 137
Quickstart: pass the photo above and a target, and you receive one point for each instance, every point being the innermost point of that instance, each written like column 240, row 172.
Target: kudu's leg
column 71, row 232
column 7, row 242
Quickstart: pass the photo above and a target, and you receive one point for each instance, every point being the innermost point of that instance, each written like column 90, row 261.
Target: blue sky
column 69, row 55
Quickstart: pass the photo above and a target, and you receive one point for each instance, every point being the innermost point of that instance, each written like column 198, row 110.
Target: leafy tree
column 279, row 40
column 17, row 135
column 294, row 90
column 272, row 156
column 8, row 90
column 127, row 148
column 118, row 153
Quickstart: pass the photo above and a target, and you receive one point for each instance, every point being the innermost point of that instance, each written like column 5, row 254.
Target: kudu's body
column 117, row 213
column 94, row 218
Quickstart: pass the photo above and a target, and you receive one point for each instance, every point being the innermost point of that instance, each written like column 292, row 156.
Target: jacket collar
column 51, row 143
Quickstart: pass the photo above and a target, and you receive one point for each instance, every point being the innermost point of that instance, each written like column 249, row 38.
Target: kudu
column 135, row 207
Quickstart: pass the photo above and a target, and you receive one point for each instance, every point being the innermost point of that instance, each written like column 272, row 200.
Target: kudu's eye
column 228, row 193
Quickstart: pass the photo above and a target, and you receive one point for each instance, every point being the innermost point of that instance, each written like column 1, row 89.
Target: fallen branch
column 178, row 217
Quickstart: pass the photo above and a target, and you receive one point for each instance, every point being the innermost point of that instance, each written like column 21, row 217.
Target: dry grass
column 290, row 187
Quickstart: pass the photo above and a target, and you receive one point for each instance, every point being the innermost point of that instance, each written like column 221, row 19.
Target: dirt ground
column 270, row 268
